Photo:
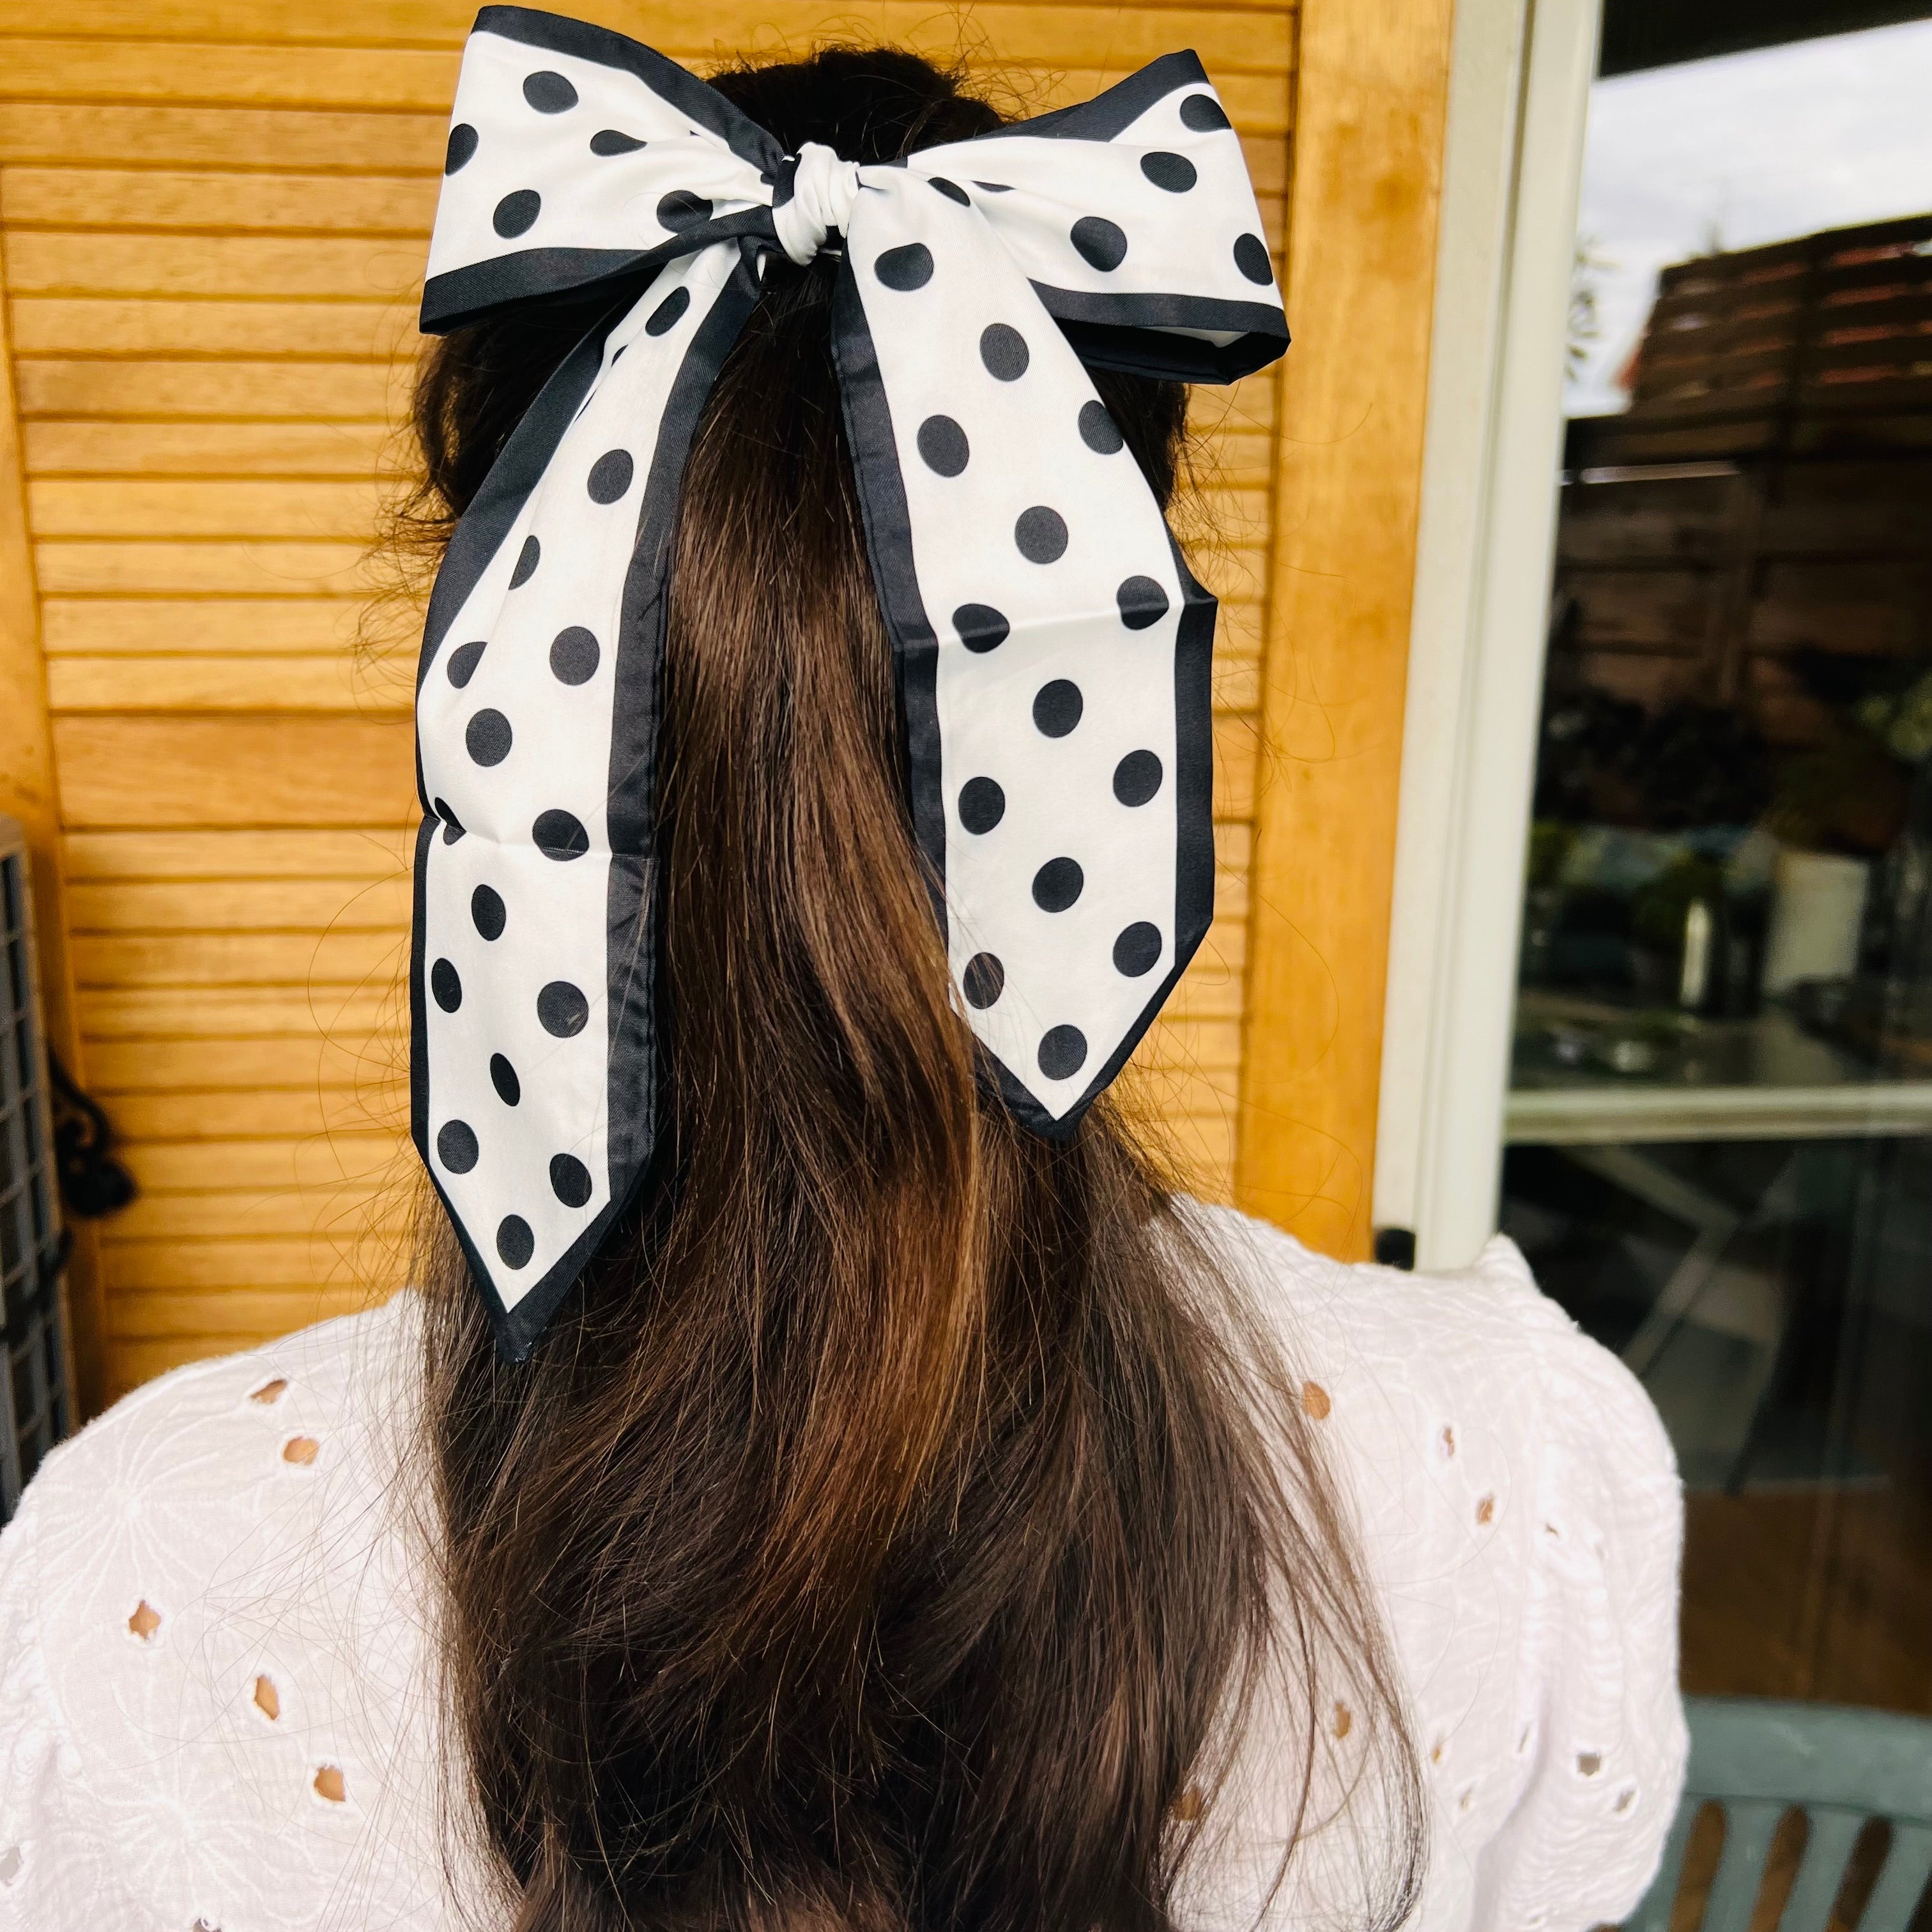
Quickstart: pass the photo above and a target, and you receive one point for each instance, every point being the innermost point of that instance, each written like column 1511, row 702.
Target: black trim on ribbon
column 1135, row 334
column 559, row 34
column 1171, row 358
column 1194, row 849
column 882, row 505
column 1123, row 103
column 519, row 468
column 455, row 299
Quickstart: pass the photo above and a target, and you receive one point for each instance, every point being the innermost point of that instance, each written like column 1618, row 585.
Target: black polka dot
column 984, row 980
column 1202, row 113
column 1101, row 243
column 905, row 268
column 667, row 314
column 487, row 736
column 1137, row 778
column 981, row 804
column 1058, row 884
column 446, row 984
column 995, row 187
column 1062, row 1052
column 1098, row 429
column 569, row 1180
column 608, row 141
column 1251, row 257
column 487, row 913
column 1138, row 949
column 952, row 191
column 456, row 1146
column 610, row 475
column 549, row 93
column 942, row 444
column 1174, row 172
column 1004, row 352
column 503, row 1077
column 515, row 1243
column 1057, row 707
column 681, row 209
column 527, row 562
column 517, row 214
column 981, row 628
column 462, row 148
column 1142, row 602
column 573, row 656
column 559, row 835
column 452, row 825
column 462, row 666
column 1041, row 534
column 563, row 1010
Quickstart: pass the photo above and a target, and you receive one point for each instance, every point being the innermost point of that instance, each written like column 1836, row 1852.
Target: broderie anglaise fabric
column 1052, row 649
column 1508, row 1487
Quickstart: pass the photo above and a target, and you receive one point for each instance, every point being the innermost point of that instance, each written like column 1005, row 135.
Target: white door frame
column 1518, row 97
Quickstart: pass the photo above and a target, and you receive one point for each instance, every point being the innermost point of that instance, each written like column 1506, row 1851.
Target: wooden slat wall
column 214, row 214
column 1373, row 88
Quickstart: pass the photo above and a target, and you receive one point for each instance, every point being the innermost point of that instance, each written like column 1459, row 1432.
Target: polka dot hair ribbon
column 1052, row 649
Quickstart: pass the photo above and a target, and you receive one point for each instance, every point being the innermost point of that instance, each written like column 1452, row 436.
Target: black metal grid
column 33, row 1403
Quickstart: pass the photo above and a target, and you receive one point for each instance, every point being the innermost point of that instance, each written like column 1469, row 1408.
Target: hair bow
column 1052, row 649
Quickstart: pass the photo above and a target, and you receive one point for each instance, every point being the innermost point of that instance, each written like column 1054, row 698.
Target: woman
column 894, row 1508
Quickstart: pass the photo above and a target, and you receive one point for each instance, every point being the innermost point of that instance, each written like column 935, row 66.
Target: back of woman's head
column 881, row 1537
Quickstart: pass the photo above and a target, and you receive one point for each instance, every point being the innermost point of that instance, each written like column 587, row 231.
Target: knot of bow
column 1052, row 649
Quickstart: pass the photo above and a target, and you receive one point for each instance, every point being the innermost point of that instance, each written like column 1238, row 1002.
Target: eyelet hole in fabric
column 267, row 1699
column 330, row 1785
column 9, row 1865
column 300, row 1449
column 1486, row 1510
column 145, row 1621
column 1589, row 1762
column 1315, row 1401
column 269, row 1392
column 1345, row 1720
column 1189, row 1806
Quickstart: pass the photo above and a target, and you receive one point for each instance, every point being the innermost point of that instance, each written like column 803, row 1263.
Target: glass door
column 1718, row 1130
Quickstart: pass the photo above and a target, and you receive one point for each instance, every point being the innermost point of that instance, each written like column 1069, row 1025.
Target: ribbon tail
column 534, row 972
column 1052, row 650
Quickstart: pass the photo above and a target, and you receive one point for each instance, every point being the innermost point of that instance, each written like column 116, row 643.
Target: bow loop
column 1052, row 648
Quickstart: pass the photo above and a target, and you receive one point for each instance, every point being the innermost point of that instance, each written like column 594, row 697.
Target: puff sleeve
column 1600, row 1718
column 53, row 1842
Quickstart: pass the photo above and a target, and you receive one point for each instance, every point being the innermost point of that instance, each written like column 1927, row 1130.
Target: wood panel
column 213, row 218
column 28, row 793
column 1372, row 87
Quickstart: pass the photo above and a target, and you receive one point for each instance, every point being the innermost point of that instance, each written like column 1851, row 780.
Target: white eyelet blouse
column 218, row 1711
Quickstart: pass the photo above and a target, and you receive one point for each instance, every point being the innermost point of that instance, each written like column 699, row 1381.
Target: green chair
column 1757, row 1760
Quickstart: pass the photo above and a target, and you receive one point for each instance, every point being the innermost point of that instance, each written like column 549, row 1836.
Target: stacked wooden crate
column 1769, row 491
column 214, row 214
column 1799, row 347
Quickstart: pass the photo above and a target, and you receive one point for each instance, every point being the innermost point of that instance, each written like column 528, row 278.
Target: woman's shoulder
column 1468, row 1396
column 224, row 1426
column 211, row 1613
column 1517, row 1507
column 1465, row 1339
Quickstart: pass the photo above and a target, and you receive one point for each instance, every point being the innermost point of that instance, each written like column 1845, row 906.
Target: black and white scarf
column 1053, row 650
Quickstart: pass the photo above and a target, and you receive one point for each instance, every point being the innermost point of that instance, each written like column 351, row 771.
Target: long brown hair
column 891, row 1534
